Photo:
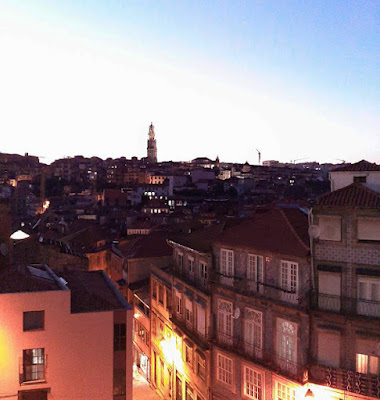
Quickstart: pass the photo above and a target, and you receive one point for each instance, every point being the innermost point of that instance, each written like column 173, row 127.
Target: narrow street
column 142, row 390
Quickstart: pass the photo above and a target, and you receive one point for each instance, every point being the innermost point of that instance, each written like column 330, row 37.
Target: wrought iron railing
column 346, row 305
column 355, row 382
column 262, row 356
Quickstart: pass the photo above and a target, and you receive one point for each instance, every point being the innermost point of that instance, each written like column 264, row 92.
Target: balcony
column 263, row 290
column 345, row 305
column 266, row 358
column 363, row 384
column 190, row 278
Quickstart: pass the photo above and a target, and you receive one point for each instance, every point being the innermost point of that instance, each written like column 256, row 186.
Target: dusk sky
column 294, row 79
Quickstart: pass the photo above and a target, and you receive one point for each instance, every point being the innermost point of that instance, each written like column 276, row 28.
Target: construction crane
column 259, row 153
column 342, row 161
column 299, row 159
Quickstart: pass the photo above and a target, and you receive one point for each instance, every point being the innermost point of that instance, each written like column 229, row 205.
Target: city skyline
column 294, row 81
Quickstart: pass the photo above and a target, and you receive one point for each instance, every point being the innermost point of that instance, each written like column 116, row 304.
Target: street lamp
column 309, row 394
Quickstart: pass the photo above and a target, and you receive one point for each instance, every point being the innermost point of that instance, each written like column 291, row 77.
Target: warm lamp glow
column 171, row 353
column 309, row 394
column 136, row 315
column 19, row 235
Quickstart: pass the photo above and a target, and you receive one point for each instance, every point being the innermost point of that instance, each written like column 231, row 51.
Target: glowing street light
column 19, row 235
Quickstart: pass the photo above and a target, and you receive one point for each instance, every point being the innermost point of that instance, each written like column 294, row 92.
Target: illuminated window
column 119, row 337
column 253, row 385
column 189, row 392
column 33, row 364
column 284, row 392
column 33, row 320
column 188, row 352
column 367, row 364
column 224, row 372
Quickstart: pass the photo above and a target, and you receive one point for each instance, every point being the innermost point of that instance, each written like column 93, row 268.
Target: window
column 253, row 386
column 360, row 179
column 201, row 320
column 224, row 319
column 289, row 281
column 201, row 365
column 189, row 312
column 368, row 296
column 119, row 337
column 188, row 352
column 287, row 345
column 162, row 372
column 180, row 260
column 253, row 332
column 161, row 294
column 39, row 394
column 203, row 270
column 369, row 229
column 224, row 372
column 255, row 271
column 189, row 392
column 33, row 364
column 330, row 227
column 168, row 298
column 154, row 289
column 284, row 392
column 329, row 348
column 191, row 265
column 366, row 364
column 329, row 290
column 227, row 262
column 33, row 320
column 178, row 298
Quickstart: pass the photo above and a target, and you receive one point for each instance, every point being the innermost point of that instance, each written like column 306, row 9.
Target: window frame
column 32, row 326
column 227, row 266
column 223, row 373
column 257, row 388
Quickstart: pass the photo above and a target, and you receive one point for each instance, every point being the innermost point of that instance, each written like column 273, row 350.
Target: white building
column 67, row 337
column 361, row 172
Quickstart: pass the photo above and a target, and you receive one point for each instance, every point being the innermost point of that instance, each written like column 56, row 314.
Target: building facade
column 67, row 336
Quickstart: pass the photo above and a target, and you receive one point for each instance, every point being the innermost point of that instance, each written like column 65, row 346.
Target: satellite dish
column 314, row 231
column 3, row 249
column 237, row 313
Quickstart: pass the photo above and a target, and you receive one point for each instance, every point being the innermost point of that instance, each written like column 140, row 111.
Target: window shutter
column 201, row 320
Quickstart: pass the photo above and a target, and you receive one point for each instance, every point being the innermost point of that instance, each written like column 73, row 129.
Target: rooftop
column 280, row 230
column 355, row 195
column 360, row 166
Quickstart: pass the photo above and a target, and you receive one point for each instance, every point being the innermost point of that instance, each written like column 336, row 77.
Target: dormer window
column 360, row 179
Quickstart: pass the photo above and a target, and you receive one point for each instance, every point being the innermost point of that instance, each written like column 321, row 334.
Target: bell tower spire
column 152, row 146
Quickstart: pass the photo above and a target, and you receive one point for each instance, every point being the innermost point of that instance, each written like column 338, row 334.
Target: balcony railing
column 262, row 289
column 346, row 305
column 363, row 384
column 265, row 357
column 192, row 278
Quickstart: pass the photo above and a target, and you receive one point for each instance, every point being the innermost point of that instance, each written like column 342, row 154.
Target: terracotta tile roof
column 282, row 231
column 92, row 291
column 147, row 246
column 360, row 166
column 354, row 195
column 202, row 239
